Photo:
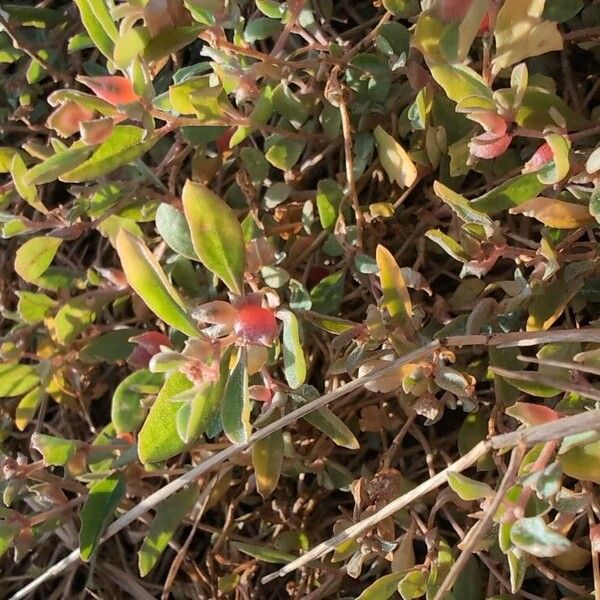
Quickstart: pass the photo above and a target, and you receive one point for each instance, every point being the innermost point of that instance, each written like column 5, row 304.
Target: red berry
column 255, row 325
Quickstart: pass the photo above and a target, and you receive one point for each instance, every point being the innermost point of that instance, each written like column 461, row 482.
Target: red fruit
column 541, row 156
column 256, row 325
column 112, row 88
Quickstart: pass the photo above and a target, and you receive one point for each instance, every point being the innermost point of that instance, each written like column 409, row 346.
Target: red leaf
column 541, row 156
column 65, row 120
column 532, row 414
column 112, row 88
column 489, row 145
column 148, row 344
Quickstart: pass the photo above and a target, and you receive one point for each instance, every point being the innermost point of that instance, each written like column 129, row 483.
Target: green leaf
column 26, row 190
column 294, row 363
column 146, row 277
column 467, row 488
column 288, row 105
column 34, row 306
column 327, row 294
column 394, row 159
column 101, row 503
column 333, row 427
column 173, row 228
column 16, row 379
column 235, row 406
column 27, row 407
column 561, row 11
column 75, row 316
column 535, row 537
column 112, row 346
column 158, row 438
column 130, row 45
column 195, row 416
column 385, row 587
column 511, row 193
column 35, row 256
column 560, row 165
column 8, row 532
column 54, row 450
column 99, row 24
column 169, row 515
column 413, row 585
column 169, row 41
column 269, row 555
column 329, row 197
column 123, row 146
column 216, row 234
column 256, row 164
column 460, row 81
column 261, row 29
column 461, row 206
column 283, row 153
column 127, row 408
column 56, row 165
column 449, row 245
column 267, row 460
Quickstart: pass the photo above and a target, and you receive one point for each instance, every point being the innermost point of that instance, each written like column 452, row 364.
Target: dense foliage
column 278, row 272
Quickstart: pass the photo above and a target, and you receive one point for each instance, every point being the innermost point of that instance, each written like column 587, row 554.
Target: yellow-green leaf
column 34, row 257
column 56, row 165
column 169, row 515
column 267, row 459
column 25, row 189
column 394, row 159
column 122, row 146
column 145, row 275
column 520, row 33
column 555, row 213
column 333, row 427
column 216, row 234
column 395, row 293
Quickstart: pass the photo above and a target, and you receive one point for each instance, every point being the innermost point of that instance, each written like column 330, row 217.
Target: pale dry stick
column 562, row 364
column 562, row 427
column 529, row 436
column 481, row 528
column 583, row 390
column 181, row 553
column 354, row 531
column 193, row 474
column 595, row 561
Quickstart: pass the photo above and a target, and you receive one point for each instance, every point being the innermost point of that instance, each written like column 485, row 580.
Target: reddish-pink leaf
column 541, row 156
column 112, row 88
column 147, row 345
column 531, row 414
column 489, row 145
column 65, row 120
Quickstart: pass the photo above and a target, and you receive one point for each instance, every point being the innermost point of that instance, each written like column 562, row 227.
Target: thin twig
column 549, row 431
column 363, row 526
column 583, row 390
column 157, row 497
column 527, row 437
column 481, row 528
